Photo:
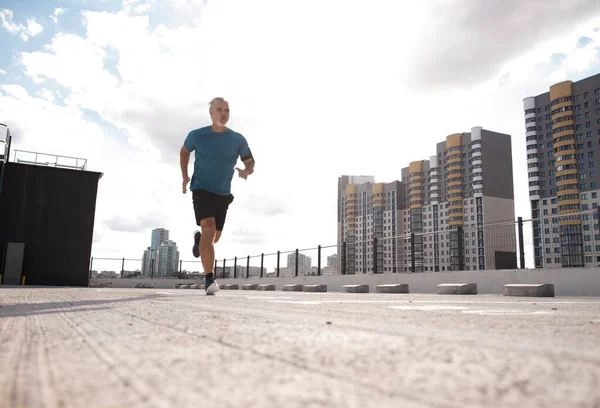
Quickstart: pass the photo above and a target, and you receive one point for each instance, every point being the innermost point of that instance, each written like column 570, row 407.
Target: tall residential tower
column 563, row 144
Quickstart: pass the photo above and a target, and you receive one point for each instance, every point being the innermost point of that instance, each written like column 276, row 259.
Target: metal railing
column 514, row 244
column 49, row 160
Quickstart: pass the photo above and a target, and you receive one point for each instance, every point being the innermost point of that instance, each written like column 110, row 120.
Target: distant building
column 167, row 260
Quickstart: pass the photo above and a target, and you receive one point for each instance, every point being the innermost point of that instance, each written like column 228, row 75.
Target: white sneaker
column 212, row 287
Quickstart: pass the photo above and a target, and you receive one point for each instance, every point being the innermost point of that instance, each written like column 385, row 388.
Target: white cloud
column 59, row 11
column 2, row 72
column 322, row 90
column 32, row 28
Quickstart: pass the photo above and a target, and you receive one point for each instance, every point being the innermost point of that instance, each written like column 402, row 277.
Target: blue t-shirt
column 215, row 158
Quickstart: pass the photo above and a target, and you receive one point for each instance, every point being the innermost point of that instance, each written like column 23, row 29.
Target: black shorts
column 211, row 205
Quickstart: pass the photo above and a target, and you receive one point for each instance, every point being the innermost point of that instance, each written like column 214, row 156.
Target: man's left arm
column 248, row 160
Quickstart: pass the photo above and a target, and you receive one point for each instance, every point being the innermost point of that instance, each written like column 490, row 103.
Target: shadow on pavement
column 25, row 309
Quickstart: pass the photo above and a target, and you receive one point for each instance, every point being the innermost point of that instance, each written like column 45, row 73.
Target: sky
column 318, row 88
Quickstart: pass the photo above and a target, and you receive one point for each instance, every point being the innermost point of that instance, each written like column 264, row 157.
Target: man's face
column 219, row 113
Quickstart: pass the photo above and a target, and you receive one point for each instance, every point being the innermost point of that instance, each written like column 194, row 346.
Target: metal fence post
column 461, row 250
column 262, row 262
column 412, row 252
column 91, row 265
column 278, row 256
column 319, row 260
column 248, row 267
column 521, row 243
column 234, row 267
column 224, row 268
column 297, row 255
column 122, row 267
column 344, row 260
column 181, row 267
column 374, row 255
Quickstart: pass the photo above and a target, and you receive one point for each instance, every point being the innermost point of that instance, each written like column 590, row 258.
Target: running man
column 217, row 151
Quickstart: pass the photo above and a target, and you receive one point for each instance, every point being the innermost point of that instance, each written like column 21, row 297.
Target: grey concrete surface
column 566, row 281
column 106, row 347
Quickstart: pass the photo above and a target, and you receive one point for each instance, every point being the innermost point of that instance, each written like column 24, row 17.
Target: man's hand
column 186, row 180
column 243, row 173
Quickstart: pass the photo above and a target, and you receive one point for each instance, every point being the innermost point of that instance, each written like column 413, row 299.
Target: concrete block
column 457, row 289
column 293, row 288
column 529, row 289
column 194, row 286
column 393, row 288
column 266, row 287
column 249, row 286
column 184, row 286
column 355, row 289
column 232, row 286
column 315, row 288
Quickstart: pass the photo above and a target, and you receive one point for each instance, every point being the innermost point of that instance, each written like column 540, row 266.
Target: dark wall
column 52, row 211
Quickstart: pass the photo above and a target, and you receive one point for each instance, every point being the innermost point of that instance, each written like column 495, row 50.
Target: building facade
column 372, row 210
column 466, row 186
column 167, row 259
column 343, row 182
column 563, row 144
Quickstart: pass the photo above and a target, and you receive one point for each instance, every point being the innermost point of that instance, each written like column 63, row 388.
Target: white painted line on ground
column 268, row 297
column 430, row 307
column 507, row 312
column 277, row 299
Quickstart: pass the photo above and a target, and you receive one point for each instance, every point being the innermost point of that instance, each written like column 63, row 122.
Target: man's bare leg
column 207, row 253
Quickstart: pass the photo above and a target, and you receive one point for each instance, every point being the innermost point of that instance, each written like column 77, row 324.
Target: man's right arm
column 184, row 159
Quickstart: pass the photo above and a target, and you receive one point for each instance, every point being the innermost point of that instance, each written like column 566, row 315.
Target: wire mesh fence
column 550, row 241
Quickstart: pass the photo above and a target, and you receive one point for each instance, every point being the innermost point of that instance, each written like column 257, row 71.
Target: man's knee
column 217, row 236
column 208, row 228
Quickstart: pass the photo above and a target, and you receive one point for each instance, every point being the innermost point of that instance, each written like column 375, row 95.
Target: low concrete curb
column 315, row 288
column 293, row 288
column 266, row 287
column 249, row 286
column 529, row 289
column 392, row 288
column 457, row 289
column 355, row 289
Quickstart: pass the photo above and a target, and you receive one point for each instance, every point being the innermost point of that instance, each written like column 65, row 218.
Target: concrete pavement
column 88, row 347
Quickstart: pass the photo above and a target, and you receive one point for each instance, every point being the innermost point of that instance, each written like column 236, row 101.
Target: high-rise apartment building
column 372, row 210
column 158, row 236
column 343, row 182
column 146, row 262
column 167, row 259
column 150, row 266
column 563, row 144
column 467, row 185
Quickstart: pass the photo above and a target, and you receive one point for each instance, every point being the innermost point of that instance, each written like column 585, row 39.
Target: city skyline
column 467, row 184
column 114, row 83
